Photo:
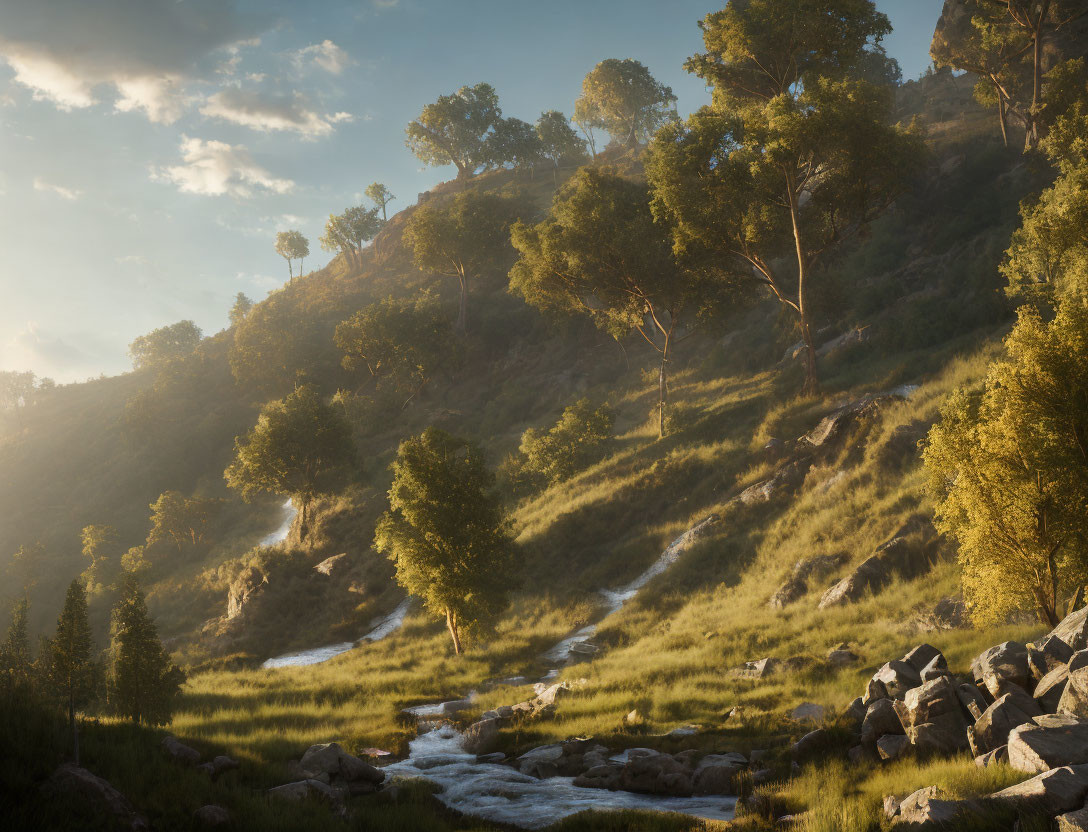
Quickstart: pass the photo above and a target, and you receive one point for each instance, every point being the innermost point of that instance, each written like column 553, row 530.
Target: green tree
column 71, row 671
column 97, row 542
column 455, row 129
column 346, row 233
column 406, row 340
column 463, row 238
column 240, row 309
column 292, row 245
column 574, row 442
column 602, row 254
column 558, row 140
column 180, row 520
column 622, row 97
column 794, row 157
column 144, row 683
column 1008, row 468
column 301, row 446
column 445, row 531
column 380, row 195
column 588, row 122
column 15, row 660
column 516, row 143
column 165, row 345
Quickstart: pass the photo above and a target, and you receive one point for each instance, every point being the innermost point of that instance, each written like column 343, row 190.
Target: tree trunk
column 812, row 383
column 75, row 728
column 662, row 389
column 451, row 625
column 1033, row 131
column 1002, row 115
column 290, row 270
column 462, row 312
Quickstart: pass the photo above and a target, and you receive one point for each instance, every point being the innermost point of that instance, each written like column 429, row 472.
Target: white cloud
column 326, row 55
column 133, row 260
column 214, row 168
column 71, row 194
column 260, row 111
column 146, row 50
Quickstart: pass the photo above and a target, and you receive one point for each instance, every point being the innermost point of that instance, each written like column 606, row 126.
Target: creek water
column 280, row 534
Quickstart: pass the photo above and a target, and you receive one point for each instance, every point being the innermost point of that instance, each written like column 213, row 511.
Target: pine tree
column 15, row 653
column 145, row 683
column 71, row 669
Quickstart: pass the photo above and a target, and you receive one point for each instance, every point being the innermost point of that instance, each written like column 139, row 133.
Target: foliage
column 165, row 345
column 445, row 531
column 516, row 143
column 577, row 440
column 405, row 340
column 292, row 245
column 1009, row 470
column 347, row 232
column 380, row 195
column 15, row 662
column 97, row 542
column 144, row 683
column 455, row 129
column 180, row 520
column 300, row 446
column 465, row 238
column 622, row 97
column 240, row 309
column 558, row 140
column 69, row 667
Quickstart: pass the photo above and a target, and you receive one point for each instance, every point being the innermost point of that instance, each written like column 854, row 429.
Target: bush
column 576, row 441
column 678, row 417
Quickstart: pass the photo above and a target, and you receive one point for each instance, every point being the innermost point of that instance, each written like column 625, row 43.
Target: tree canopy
column 516, row 143
column 622, row 97
column 165, row 345
column 347, row 232
column 179, row 520
column 558, row 141
column 455, row 129
column 240, row 309
column 292, row 245
column 445, row 531
column 69, row 666
column 575, row 441
column 380, row 195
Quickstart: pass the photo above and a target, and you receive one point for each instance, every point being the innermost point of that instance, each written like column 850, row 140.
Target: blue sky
column 150, row 149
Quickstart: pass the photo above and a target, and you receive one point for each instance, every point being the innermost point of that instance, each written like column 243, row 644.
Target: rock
column 683, row 732
column 458, row 705
column 930, row 808
column 656, row 773
column 217, row 766
column 874, row 690
column 808, row 712
column 1073, row 629
column 250, row 584
column 1079, row 661
column 633, row 719
column 1003, row 665
column 1048, row 654
column 863, row 755
column 891, row 806
column 541, row 762
column 716, row 773
column 762, row 776
column 1052, row 792
column 331, row 567
column 898, row 678
column 554, row 693
column 907, row 554
column 179, row 752
column 947, row 614
column 923, row 655
column 935, row 669
column 211, row 815
column 1048, row 693
column 1047, row 742
column 932, row 719
column 971, row 699
column 1010, row 711
column 303, row 789
column 354, row 770
column 480, row 737
column 606, row 776
column 841, row 657
column 786, row 478
column 810, row 744
column 1073, row 821
column 993, row 758
column 75, row 785
column 1074, row 698
column 880, row 720
column 855, row 713
column 324, row 758
column 757, row 669
column 891, row 746
column 797, row 584
column 492, row 758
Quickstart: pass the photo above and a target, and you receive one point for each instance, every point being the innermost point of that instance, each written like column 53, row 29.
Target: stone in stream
column 716, row 773
column 480, row 737
column 1047, row 742
column 651, row 772
column 541, row 762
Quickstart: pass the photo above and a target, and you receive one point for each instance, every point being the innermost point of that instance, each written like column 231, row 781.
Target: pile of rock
column 329, row 772
column 1026, row 704
column 186, row 755
column 480, row 736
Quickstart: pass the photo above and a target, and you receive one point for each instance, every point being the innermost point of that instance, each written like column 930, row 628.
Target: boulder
column 179, row 752
column 757, row 669
column 1074, row 698
column 1047, row 742
column 323, row 758
column 334, row 566
column 797, row 583
column 898, row 678
column 930, row 808
column 935, row 669
column 1073, row 821
column 1048, row 654
column 810, row 744
column 211, row 815
column 808, row 712
column 75, row 785
column 656, row 773
column 605, row 776
column 541, row 762
column 217, row 766
column 932, row 719
column 841, row 657
column 874, row 690
column 993, row 758
column 947, row 614
column 1052, row 792
column 855, row 713
column 716, row 774
column 552, row 694
column 353, row 770
column 971, row 699
column 992, row 729
column 1002, row 665
column 863, row 755
column 480, row 737
column 296, row 792
column 1078, row 661
column 1048, row 693
column 250, row 584
column 1073, row 629
column 880, row 720
column 923, row 655
column 892, row 746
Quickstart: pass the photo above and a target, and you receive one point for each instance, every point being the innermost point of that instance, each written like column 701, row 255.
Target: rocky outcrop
column 1049, row 741
column 804, row 570
column 334, row 567
column 79, row 787
column 246, row 588
column 328, row 771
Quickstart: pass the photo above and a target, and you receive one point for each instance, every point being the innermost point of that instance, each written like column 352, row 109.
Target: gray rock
column 211, row 815
column 935, row 669
column 480, row 737
column 74, row 784
column 656, row 773
column 892, row 746
column 1073, row 629
column 797, row 583
column 930, row 808
column 1047, row 654
column 1047, row 742
column 898, row 678
column 874, row 690
column 947, row 614
column 323, row 758
column 716, row 774
column 971, row 699
column 810, row 744
column 756, row 669
column 1073, row 821
column 296, row 792
column 855, row 712
column 842, row 658
column 992, row 729
column 880, row 720
column 1052, row 792
column 493, row 757
column 891, row 806
column 923, row 655
column 541, row 762
column 606, row 776
column 808, row 712
column 334, row 566
column 179, row 752
column 1002, row 665
column 1074, row 698
column 354, row 770
column 863, row 755
column 932, row 719
column 1048, row 693
column 993, row 758
column 1079, row 661
column 245, row 589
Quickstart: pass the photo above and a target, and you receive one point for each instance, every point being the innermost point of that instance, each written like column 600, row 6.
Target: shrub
column 576, row 441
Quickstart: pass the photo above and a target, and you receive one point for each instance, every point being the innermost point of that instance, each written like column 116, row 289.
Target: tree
column 601, row 254
column 557, row 140
column 165, row 345
column 180, row 520
column 346, row 233
column 96, row 541
column 588, row 122
column 406, row 340
column 515, row 143
column 300, row 446
column 16, row 391
column 380, row 195
column 455, row 129
column 292, row 245
column 622, row 97
column 240, row 309
column 144, row 683
column 574, row 442
column 445, row 531
column 1008, row 468
column 463, row 238
column 794, row 157
column 71, row 671
column 15, row 662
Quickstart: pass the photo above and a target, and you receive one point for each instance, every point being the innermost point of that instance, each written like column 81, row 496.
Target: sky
column 151, row 149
